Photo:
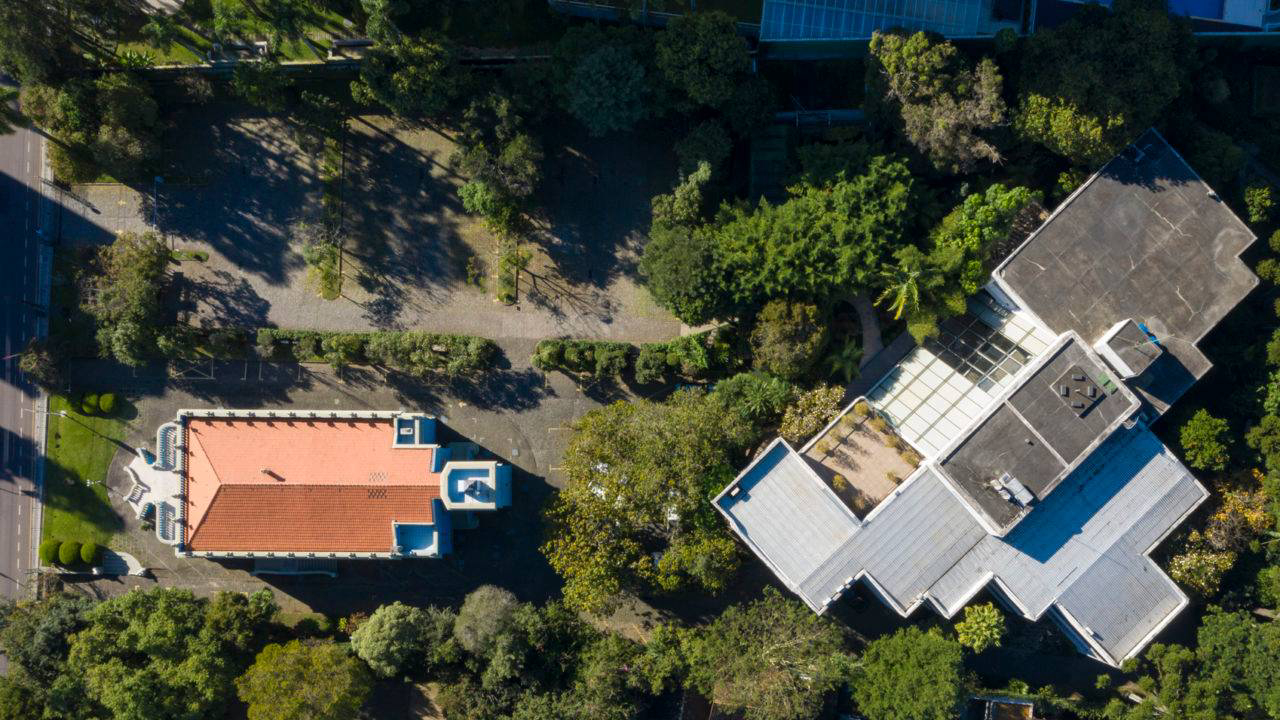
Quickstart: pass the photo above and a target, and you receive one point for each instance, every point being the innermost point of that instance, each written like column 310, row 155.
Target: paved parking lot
column 235, row 184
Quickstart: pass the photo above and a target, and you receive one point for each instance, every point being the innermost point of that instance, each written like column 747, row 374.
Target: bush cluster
column 68, row 553
column 701, row 356
column 416, row 353
column 95, row 403
column 600, row 358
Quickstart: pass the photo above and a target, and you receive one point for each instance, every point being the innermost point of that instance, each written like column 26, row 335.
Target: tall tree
column 910, row 675
column 143, row 657
column 413, row 77
column 127, row 304
column 640, row 474
column 921, row 84
column 304, row 681
column 607, row 90
column 1074, row 99
column 703, row 56
column 772, row 659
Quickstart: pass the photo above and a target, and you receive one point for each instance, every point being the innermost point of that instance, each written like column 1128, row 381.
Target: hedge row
column 95, row 404
column 701, row 356
column 417, row 353
column 68, row 553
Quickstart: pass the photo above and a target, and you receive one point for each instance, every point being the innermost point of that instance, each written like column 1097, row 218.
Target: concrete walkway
column 115, row 562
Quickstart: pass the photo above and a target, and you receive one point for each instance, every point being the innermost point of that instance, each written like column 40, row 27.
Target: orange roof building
column 322, row 484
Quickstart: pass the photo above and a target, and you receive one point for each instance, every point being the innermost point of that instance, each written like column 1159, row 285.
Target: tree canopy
column 702, row 55
column 921, row 85
column 400, row 638
column 154, row 656
column 771, row 659
column 1073, row 99
column 304, row 680
column 606, row 92
column 412, row 77
column 910, row 675
column 930, row 285
column 640, row 474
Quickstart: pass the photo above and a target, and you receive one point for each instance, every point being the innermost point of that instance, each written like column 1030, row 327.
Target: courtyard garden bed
column 861, row 458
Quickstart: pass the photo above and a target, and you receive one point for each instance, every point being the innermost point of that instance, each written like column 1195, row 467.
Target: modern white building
column 1038, row 478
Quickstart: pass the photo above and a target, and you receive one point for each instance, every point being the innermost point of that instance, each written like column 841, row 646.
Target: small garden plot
column 861, row 458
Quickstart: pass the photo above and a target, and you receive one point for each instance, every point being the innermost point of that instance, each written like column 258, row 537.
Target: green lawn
column 80, row 448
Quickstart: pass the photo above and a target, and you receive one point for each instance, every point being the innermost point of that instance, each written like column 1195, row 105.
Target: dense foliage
column 910, row 675
column 640, row 474
column 1073, row 98
column 125, row 299
column 920, row 84
column 771, row 659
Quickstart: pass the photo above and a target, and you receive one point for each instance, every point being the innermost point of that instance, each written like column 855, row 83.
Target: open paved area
column 414, row 259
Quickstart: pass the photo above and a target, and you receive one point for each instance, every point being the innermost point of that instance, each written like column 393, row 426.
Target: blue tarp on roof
column 784, row 20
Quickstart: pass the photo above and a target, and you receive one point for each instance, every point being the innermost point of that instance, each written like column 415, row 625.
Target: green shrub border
column 701, row 356
column 417, row 353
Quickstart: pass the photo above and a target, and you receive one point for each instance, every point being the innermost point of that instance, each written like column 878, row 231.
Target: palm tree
column 845, row 362
column 902, row 284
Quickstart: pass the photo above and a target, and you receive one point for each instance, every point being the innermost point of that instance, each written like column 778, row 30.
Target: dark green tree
column 127, row 304
column 400, row 638
column 920, row 85
column 304, row 680
column 910, row 675
column 1074, row 102
column 262, row 83
column 143, row 657
column 772, row 659
column 787, row 338
column 702, row 56
column 639, row 477
column 1203, row 441
column 414, row 77
column 607, row 90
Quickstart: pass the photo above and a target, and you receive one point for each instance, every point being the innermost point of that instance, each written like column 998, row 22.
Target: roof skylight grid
column 853, row 19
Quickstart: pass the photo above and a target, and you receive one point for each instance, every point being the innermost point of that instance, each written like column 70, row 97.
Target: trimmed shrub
column 49, row 551
column 69, row 553
column 599, row 358
column 839, row 483
column 416, row 353
column 89, row 553
column 651, row 363
column 107, row 403
column 89, row 406
column 1274, row 241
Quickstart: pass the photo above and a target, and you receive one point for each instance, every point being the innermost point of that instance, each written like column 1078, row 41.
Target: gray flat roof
column 1083, row 550
column 1037, row 435
column 1145, row 239
column 788, row 516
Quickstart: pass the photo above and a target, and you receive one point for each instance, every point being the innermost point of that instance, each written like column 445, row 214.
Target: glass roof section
column 939, row 389
column 783, row 20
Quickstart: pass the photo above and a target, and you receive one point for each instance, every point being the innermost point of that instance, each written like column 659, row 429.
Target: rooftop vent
column 1010, row 488
column 1077, row 390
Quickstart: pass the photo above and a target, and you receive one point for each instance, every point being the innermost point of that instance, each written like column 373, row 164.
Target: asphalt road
column 20, row 309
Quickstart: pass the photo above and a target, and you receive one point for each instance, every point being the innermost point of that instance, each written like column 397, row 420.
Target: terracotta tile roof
column 301, row 485
column 309, row 518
